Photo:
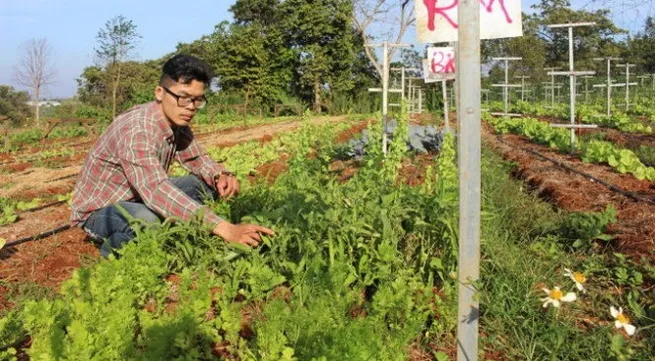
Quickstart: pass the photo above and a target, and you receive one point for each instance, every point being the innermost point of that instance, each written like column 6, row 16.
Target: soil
column 634, row 230
column 271, row 170
column 412, row 172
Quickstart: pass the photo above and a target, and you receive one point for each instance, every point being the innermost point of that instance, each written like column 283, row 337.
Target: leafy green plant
column 8, row 214
column 623, row 160
column 585, row 227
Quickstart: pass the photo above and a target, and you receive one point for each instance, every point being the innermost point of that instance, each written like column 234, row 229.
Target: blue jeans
column 111, row 230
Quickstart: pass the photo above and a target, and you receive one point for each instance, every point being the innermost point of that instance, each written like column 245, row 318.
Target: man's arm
column 194, row 158
column 146, row 175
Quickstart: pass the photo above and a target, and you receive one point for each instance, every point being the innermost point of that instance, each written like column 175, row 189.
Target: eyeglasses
column 183, row 101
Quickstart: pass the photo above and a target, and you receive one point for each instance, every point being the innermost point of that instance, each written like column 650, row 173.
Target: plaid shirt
column 130, row 162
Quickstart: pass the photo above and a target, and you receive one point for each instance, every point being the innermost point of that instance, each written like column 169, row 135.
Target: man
column 127, row 168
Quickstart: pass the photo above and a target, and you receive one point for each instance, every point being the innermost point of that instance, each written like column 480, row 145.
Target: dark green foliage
column 585, row 227
column 13, row 104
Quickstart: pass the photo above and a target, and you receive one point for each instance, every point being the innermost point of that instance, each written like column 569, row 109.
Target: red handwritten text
column 441, row 63
column 434, row 10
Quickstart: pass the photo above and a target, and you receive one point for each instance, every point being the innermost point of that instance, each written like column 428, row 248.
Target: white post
column 572, row 73
column 444, row 92
column 385, row 88
column 469, row 146
column 506, row 85
column 586, row 87
column 627, row 67
column 552, row 84
column 572, row 86
column 522, row 77
column 608, row 86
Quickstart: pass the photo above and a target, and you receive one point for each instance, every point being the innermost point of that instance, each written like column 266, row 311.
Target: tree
column 250, row 59
column 13, row 104
column 325, row 44
column 248, row 12
column 95, row 85
column 541, row 46
column 35, row 72
column 641, row 48
column 369, row 12
column 116, row 40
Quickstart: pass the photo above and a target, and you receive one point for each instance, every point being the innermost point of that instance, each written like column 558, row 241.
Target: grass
column 523, row 251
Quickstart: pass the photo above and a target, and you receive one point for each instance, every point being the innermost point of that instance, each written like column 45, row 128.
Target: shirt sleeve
column 193, row 157
column 145, row 173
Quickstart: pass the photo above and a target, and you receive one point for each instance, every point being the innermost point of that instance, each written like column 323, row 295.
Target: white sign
column 439, row 65
column 436, row 20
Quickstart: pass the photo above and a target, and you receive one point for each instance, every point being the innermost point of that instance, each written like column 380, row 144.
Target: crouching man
column 127, row 168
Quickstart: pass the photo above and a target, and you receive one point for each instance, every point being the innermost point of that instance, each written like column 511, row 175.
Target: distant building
column 45, row 103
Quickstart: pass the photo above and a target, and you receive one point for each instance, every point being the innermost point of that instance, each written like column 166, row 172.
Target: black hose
column 62, row 178
column 610, row 186
column 38, row 208
column 37, row 237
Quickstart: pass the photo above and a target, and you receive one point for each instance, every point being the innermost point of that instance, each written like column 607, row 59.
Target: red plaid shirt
column 130, row 162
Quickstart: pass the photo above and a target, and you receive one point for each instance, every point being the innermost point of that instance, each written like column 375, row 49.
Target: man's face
column 167, row 97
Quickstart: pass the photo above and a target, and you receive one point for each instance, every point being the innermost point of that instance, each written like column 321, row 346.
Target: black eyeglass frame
column 188, row 100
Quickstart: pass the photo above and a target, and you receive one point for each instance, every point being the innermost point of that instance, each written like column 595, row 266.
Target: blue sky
column 71, row 26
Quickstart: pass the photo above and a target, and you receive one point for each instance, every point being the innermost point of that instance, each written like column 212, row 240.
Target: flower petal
column 579, row 286
column 618, row 324
column 570, row 297
column 614, row 312
column 568, row 272
column 630, row 329
column 556, row 303
column 546, row 290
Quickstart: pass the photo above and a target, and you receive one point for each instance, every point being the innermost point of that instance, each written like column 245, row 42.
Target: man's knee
column 138, row 211
column 194, row 187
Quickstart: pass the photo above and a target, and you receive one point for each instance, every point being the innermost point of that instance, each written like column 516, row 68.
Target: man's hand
column 246, row 234
column 227, row 185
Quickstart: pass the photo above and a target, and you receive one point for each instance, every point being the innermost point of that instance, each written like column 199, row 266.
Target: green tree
column 249, row 59
column 589, row 42
column 13, row 104
column 96, row 86
column 92, row 86
column 326, row 47
column 641, row 48
column 262, row 12
column 277, row 50
column 115, row 41
column 541, row 46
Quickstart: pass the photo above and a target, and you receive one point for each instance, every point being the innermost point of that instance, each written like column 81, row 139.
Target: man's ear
column 159, row 93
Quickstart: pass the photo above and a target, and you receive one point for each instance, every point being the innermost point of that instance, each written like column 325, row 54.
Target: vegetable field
column 364, row 262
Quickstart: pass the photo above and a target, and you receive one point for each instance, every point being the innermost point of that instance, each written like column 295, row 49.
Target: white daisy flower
column 578, row 278
column 556, row 297
column 622, row 321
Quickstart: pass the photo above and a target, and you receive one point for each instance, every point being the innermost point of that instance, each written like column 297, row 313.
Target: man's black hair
column 184, row 68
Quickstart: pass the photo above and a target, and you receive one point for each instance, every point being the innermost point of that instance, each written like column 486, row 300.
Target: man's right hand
column 246, row 234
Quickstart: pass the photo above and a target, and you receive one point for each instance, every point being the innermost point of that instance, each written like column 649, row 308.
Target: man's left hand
column 227, row 185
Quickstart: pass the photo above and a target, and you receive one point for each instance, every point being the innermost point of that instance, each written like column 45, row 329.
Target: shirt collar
column 160, row 119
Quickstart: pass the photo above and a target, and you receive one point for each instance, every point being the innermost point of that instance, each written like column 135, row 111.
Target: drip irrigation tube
column 610, row 186
column 62, row 178
column 36, row 237
column 38, row 208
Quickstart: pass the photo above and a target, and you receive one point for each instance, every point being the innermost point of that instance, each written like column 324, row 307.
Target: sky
column 71, row 26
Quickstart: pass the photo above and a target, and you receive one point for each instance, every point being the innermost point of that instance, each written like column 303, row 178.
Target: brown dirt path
column 635, row 228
